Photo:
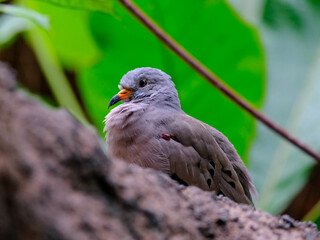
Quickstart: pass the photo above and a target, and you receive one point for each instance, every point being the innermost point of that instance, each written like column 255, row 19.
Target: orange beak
column 122, row 95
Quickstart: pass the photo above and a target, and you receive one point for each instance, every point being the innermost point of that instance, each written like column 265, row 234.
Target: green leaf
column 291, row 36
column 70, row 34
column 10, row 26
column 313, row 214
column 250, row 10
column 92, row 5
column 209, row 30
column 317, row 222
column 29, row 14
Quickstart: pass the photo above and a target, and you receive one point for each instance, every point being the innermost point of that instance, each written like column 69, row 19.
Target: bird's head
column 146, row 84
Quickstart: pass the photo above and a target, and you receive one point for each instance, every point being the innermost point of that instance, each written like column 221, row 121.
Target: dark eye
column 142, row 82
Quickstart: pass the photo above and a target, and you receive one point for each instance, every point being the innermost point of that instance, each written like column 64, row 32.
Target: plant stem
column 55, row 76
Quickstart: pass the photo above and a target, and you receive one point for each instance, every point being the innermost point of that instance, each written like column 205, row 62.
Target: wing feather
column 196, row 157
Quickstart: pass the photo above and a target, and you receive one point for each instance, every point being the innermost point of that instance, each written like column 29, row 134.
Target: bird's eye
column 142, row 82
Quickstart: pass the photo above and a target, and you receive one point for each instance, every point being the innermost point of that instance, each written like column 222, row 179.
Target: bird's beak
column 122, row 95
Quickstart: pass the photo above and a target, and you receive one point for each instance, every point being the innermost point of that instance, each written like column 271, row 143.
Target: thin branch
column 206, row 73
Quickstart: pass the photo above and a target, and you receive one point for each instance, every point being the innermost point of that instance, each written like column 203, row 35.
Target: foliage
column 17, row 19
column 314, row 214
column 105, row 6
column 17, row 11
column 291, row 37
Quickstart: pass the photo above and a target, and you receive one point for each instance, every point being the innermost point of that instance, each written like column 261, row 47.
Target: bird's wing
column 197, row 159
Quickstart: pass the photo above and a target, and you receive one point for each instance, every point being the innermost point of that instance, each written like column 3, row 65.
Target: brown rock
column 57, row 183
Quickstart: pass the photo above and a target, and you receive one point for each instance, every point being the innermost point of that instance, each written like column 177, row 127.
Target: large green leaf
column 69, row 33
column 290, row 32
column 208, row 29
column 92, row 5
column 250, row 10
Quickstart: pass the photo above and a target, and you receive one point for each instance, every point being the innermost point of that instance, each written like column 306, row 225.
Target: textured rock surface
column 56, row 183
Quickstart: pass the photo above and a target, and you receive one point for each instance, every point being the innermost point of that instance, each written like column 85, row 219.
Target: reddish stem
column 200, row 68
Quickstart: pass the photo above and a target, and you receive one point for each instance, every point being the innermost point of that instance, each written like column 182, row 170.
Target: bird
column 151, row 130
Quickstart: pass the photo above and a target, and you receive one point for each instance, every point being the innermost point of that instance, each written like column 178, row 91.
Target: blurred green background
column 72, row 53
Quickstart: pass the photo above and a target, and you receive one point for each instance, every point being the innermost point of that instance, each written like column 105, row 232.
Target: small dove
column 151, row 130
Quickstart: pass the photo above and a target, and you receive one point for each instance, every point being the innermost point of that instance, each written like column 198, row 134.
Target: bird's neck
column 166, row 99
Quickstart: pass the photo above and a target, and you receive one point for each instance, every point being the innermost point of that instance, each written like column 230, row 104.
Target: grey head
column 148, row 85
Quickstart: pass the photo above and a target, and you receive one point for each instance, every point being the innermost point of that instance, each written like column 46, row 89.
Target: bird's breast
column 131, row 136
